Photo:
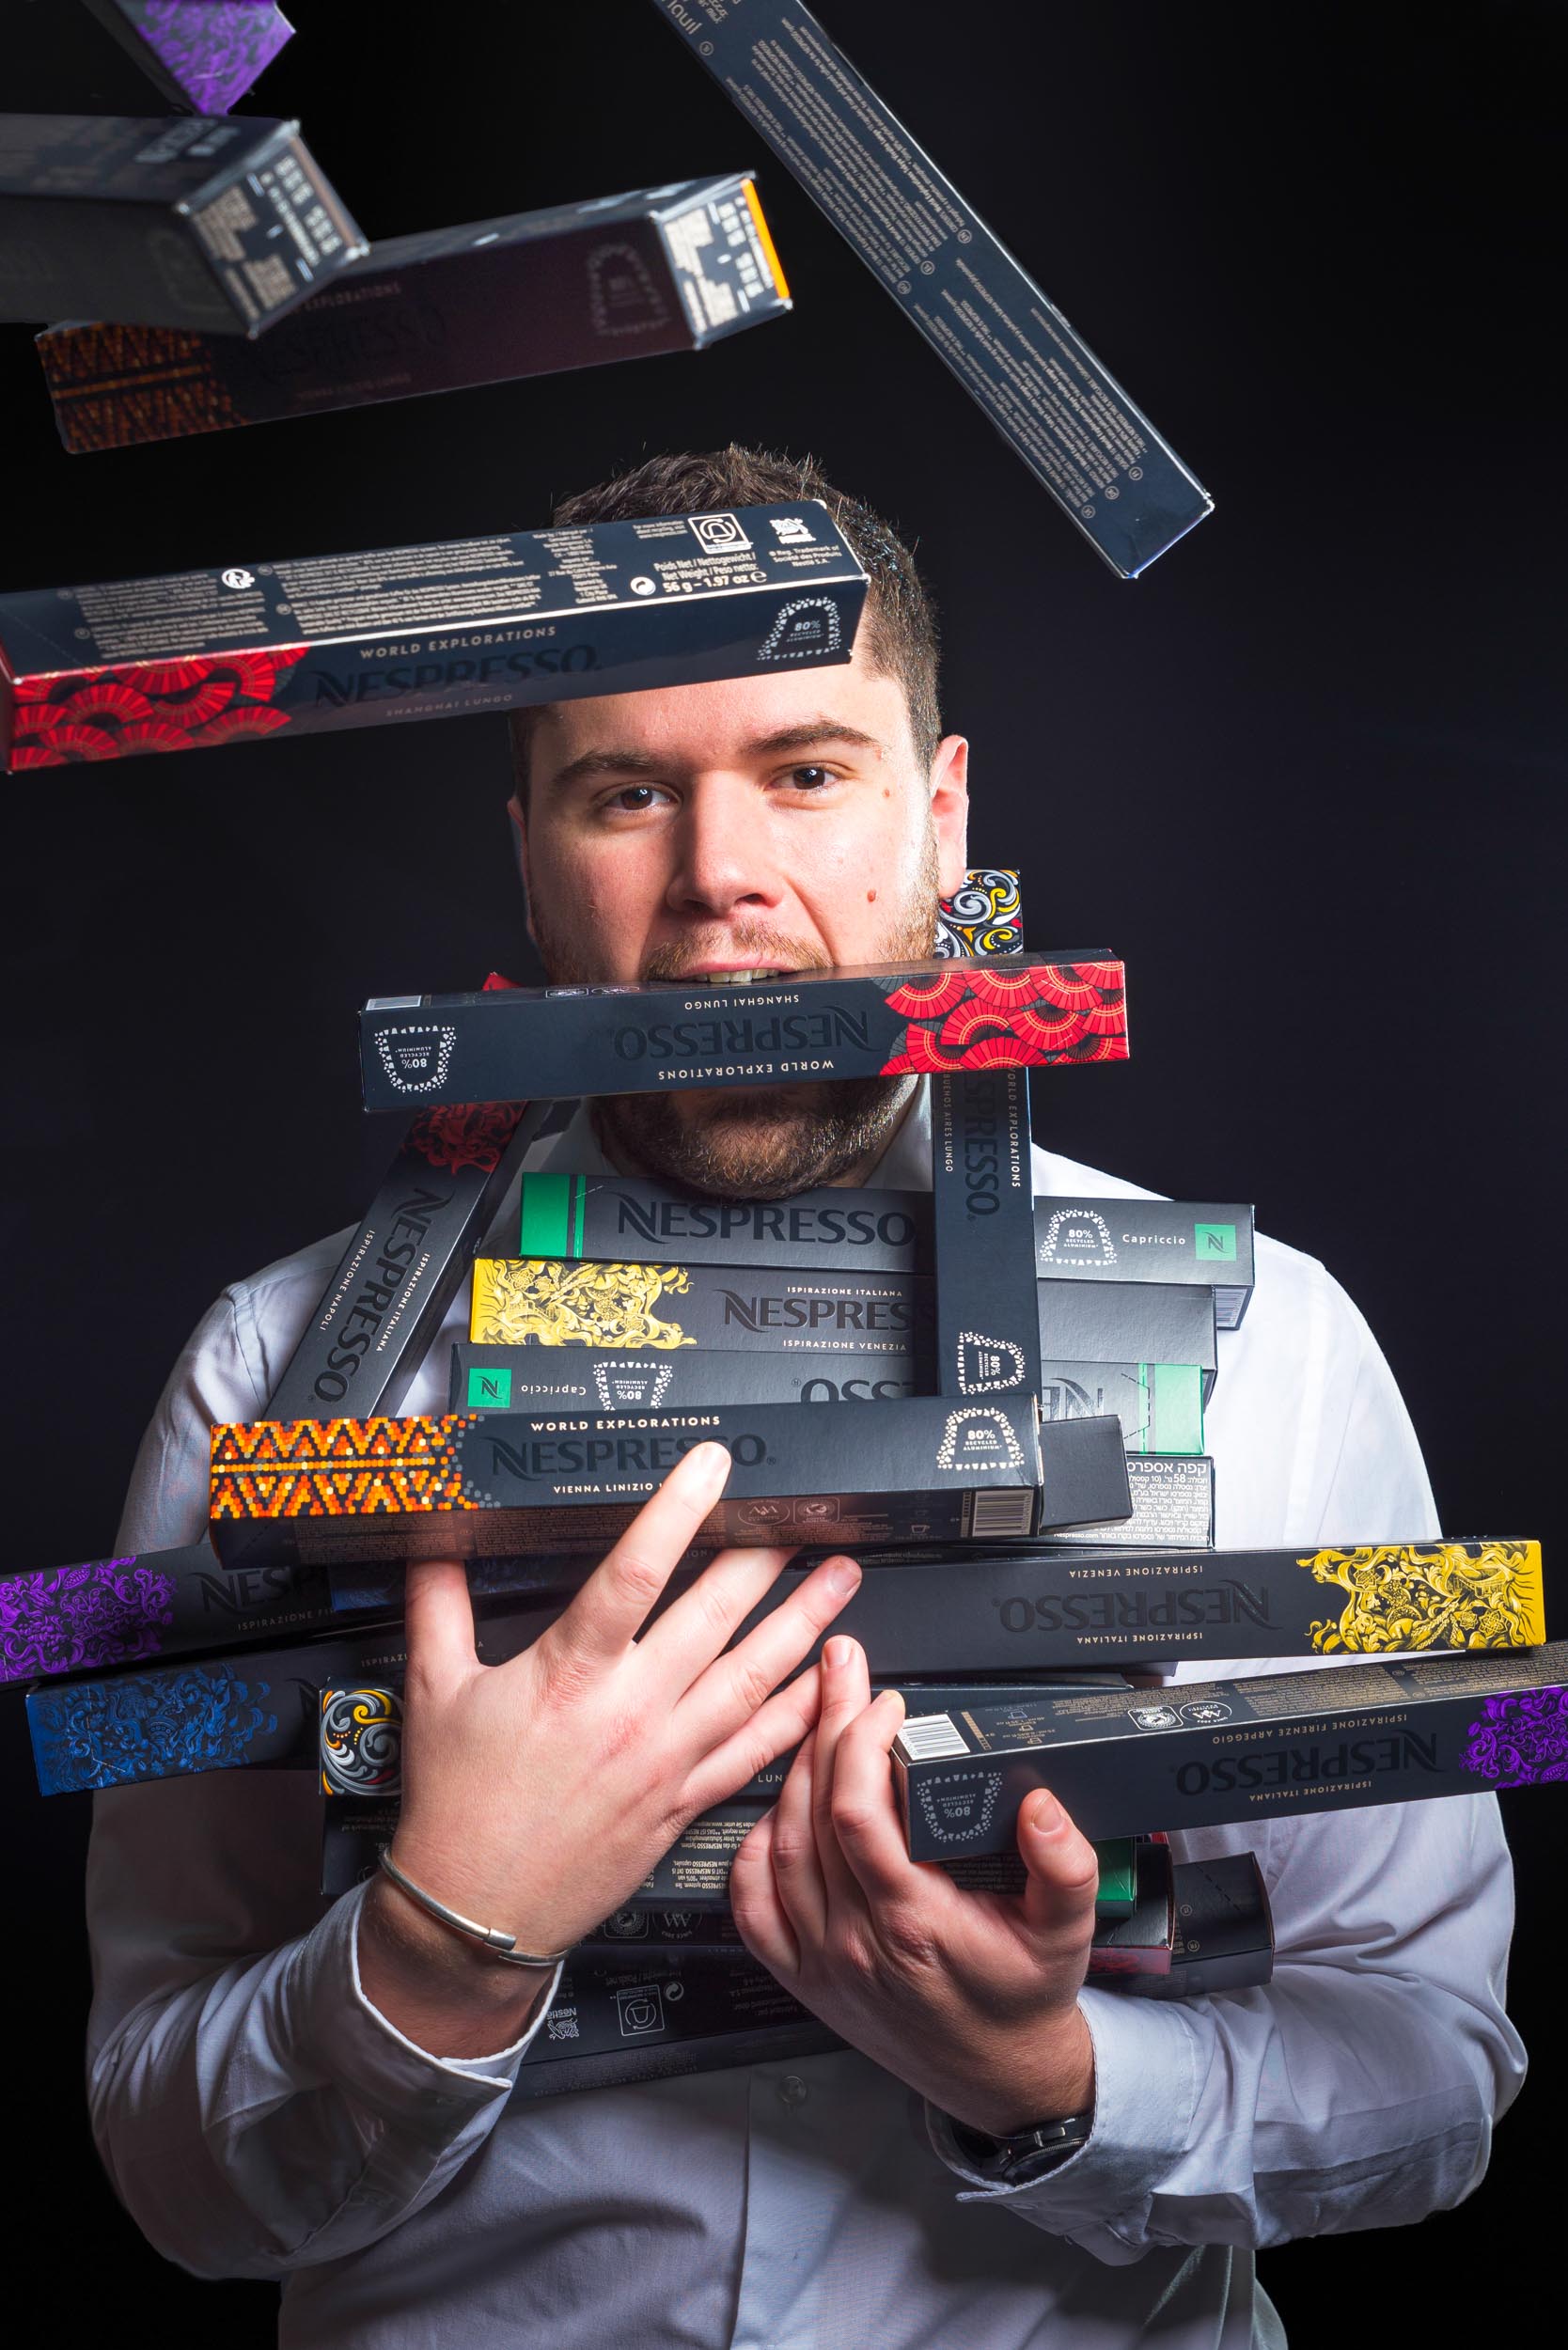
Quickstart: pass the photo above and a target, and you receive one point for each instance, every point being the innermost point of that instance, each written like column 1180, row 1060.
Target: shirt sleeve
column 1359, row 2088
column 255, row 2111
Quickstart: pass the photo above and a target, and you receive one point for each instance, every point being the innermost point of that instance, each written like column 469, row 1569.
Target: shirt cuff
column 1148, row 2073
column 355, row 2045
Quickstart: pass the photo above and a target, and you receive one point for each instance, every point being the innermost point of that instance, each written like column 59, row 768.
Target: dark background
column 1305, row 774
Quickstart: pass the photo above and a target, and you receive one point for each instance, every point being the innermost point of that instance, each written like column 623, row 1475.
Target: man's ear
column 519, row 824
column 950, row 811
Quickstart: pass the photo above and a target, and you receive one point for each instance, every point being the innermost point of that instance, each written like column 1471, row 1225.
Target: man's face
column 759, row 825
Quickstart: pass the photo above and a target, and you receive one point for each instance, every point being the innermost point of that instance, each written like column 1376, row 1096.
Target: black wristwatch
column 1024, row 2155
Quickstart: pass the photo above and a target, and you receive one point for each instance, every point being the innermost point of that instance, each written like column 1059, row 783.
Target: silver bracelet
column 503, row 1946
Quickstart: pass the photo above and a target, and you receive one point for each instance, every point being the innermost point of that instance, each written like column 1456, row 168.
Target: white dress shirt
column 260, row 2117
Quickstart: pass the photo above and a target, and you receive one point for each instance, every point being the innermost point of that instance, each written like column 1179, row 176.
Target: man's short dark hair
column 898, row 630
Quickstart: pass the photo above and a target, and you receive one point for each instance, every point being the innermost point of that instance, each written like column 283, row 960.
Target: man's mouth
column 752, row 976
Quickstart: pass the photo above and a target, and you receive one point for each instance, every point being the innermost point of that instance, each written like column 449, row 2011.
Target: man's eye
column 634, row 797
column 811, row 778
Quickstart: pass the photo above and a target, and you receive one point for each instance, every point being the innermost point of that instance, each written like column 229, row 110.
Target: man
column 322, row 2098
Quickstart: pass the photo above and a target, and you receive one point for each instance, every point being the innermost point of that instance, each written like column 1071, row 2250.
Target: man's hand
column 970, row 1998
column 540, row 1793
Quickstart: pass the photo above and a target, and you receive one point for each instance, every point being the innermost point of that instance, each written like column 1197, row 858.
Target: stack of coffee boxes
column 991, row 1506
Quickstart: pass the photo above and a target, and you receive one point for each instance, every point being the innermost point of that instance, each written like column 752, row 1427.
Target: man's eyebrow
column 590, row 765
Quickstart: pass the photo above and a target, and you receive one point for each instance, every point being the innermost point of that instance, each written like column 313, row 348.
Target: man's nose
column 723, row 860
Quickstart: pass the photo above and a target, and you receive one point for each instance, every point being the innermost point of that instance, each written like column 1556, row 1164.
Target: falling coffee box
column 621, row 277
column 207, row 221
column 497, row 620
column 917, row 1018
column 205, row 54
column 1204, row 1754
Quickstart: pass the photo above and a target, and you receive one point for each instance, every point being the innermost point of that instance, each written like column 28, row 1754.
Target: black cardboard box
column 201, row 53
column 407, row 1260
column 624, row 1218
column 494, row 622
column 621, row 277
column 651, row 2015
column 983, row 1234
column 1204, row 1754
column 534, row 1379
column 1015, row 354
column 1045, row 1607
column 1203, row 1242
column 1145, row 1322
column 206, row 221
column 922, row 1468
column 908, row 1019
column 1223, row 1932
column 106, row 1612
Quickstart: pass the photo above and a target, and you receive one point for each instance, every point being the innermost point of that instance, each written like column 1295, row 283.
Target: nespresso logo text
column 759, row 1220
column 427, row 677
column 243, row 1590
column 386, row 1274
column 1308, row 1765
column 1133, row 1611
column 737, row 1038
column 542, row 1460
column 765, row 1313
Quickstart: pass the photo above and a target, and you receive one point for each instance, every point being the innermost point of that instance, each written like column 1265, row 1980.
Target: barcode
column 393, row 1003
column 930, row 1737
column 1228, row 1308
column 1001, row 1514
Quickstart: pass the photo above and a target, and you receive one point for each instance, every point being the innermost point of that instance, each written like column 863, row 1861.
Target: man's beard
column 758, row 1142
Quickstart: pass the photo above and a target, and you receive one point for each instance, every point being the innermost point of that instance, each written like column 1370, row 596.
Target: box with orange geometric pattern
column 473, row 1484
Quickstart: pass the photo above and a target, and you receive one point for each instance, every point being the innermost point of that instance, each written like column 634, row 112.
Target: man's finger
column 606, row 1615
column 774, row 1729
column 846, row 1692
column 754, row 1901
column 734, row 1685
column 693, row 1629
column 792, row 1844
column 864, row 1816
column 1063, row 1871
column 438, row 1617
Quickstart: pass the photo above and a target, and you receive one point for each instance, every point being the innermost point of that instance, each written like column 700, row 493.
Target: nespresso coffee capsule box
column 565, row 1302
column 1223, row 1937
column 524, row 1379
column 469, row 1483
column 204, row 55
column 407, row 1260
column 1173, row 1507
column 1028, row 372
column 914, row 1018
column 621, row 277
column 1203, row 1244
column 650, row 2016
column 1160, row 1405
column 494, row 621
column 228, row 1713
column 983, row 1234
column 1149, row 1321
column 108, row 1612
column 1204, row 1754
column 206, row 221
column 1055, row 1606
column 621, row 1219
